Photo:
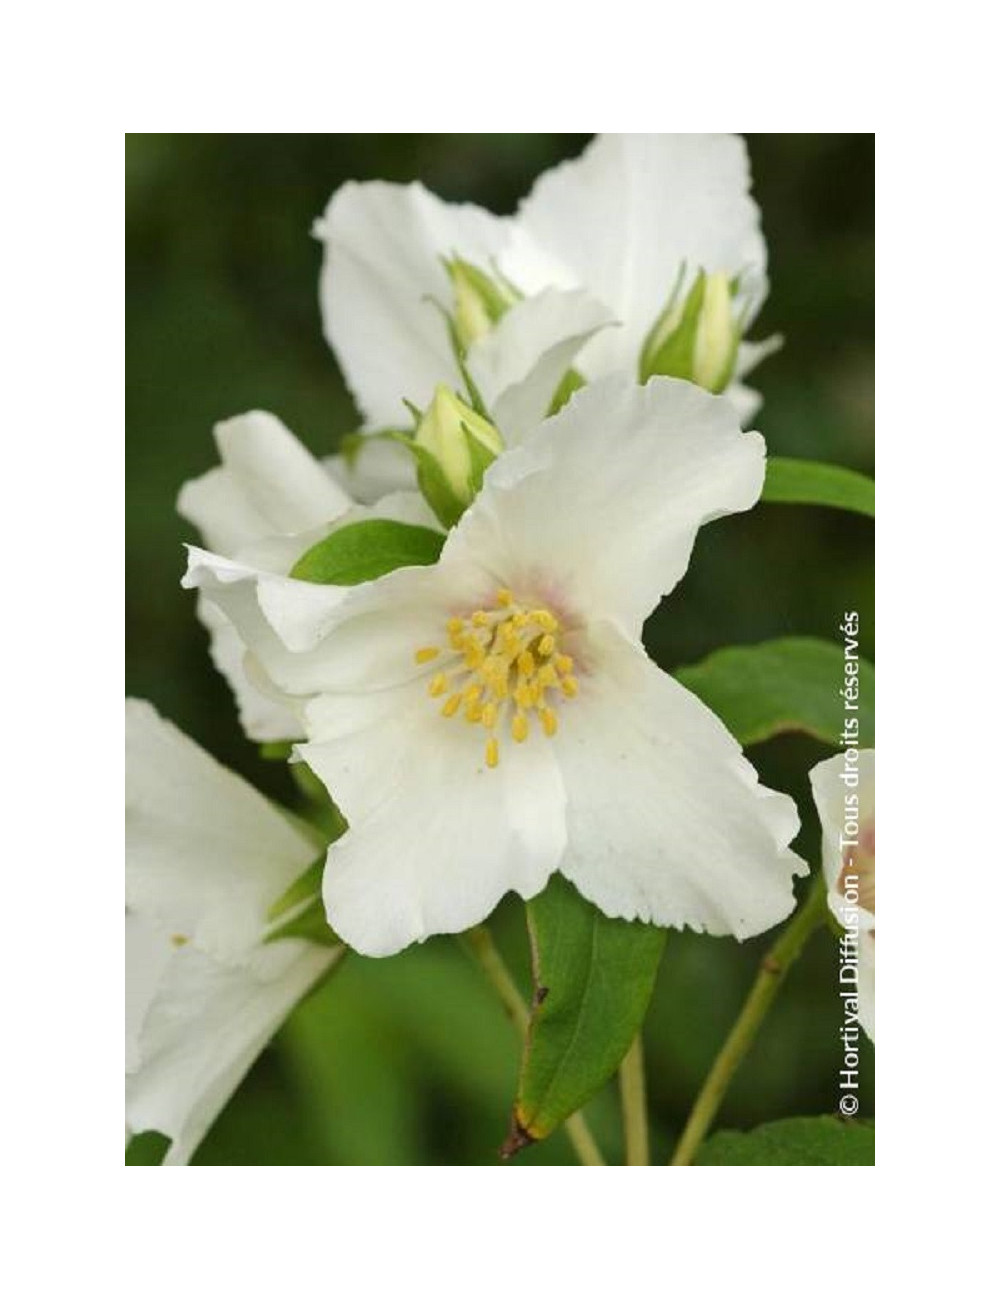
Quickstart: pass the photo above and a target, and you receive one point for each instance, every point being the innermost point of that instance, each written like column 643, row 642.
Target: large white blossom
column 606, row 236
column 487, row 720
column 206, row 856
column 845, row 800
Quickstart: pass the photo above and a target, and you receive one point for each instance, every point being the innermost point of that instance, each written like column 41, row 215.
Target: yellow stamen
column 475, row 655
column 524, row 695
column 504, row 651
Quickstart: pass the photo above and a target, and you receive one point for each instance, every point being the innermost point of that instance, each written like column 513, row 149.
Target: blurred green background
column 410, row 1061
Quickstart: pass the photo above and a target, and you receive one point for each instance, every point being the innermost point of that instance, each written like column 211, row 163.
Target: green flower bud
column 480, row 300
column 461, row 443
column 696, row 339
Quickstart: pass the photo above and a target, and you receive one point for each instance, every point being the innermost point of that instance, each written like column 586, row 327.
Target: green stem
column 579, row 1134
column 632, row 1081
column 480, row 944
column 773, row 969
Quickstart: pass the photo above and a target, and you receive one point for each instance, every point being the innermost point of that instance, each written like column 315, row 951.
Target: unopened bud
column 696, row 339
column 480, row 300
column 461, row 442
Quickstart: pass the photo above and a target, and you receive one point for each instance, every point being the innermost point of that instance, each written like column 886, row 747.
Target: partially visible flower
column 845, row 799
column 269, row 488
column 205, row 857
column 621, row 227
column 492, row 718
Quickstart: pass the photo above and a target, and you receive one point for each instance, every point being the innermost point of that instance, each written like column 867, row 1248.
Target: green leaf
column 147, row 1148
column 593, row 980
column 810, row 483
column 366, row 550
column 310, row 923
column 793, row 684
column 825, row 1140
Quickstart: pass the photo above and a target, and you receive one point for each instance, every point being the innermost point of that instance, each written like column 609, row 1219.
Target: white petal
column 383, row 246
column 203, row 1030
column 264, row 716
column 147, row 959
column 829, row 790
column 373, row 470
column 267, row 483
column 518, row 365
column 666, row 819
column 436, row 837
column 603, row 501
column 232, row 587
column 206, row 855
column 621, row 219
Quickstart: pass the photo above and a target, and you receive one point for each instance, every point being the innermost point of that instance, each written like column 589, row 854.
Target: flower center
column 502, row 669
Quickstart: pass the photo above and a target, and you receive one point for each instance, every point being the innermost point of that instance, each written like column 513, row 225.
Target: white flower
column 267, row 489
column 206, row 855
column 844, row 792
column 494, row 717
column 625, row 225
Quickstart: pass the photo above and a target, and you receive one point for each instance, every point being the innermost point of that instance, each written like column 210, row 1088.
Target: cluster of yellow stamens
column 502, row 667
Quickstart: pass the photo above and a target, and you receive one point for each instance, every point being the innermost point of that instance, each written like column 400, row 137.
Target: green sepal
column 302, row 888
column 812, row 483
column 275, row 751
column 675, row 355
column 593, row 980
column 791, row 684
column 480, row 459
column 437, row 492
column 654, row 339
column 310, row 923
column 570, row 383
column 367, row 550
column 825, row 1140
